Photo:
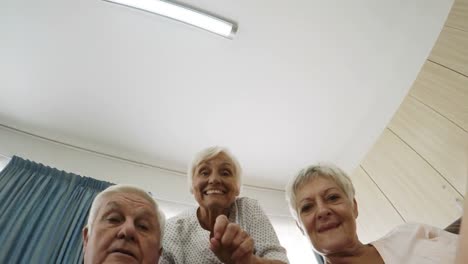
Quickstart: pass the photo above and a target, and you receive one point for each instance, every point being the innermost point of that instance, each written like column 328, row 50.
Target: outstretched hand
column 230, row 243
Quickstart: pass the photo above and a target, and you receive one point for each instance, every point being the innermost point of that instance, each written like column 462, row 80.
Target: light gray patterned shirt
column 185, row 241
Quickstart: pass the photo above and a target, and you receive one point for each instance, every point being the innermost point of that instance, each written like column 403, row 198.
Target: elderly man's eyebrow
column 109, row 208
column 148, row 216
column 144, row 212
column 113, row 205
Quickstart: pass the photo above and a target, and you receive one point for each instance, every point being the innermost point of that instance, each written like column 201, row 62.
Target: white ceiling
column 302, row 81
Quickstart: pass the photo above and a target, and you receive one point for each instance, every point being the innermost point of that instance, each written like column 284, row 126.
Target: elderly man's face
column 126, row 230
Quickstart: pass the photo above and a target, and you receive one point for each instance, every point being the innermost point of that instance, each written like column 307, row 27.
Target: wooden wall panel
column 437, row 140
column 376, row 216
column 419, row 164
column 458, row 17
column 418, row 192
column 451, row 50
column 443, row 90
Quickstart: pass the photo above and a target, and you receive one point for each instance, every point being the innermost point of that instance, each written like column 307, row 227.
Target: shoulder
column 419, row 231
column 412, row 241
column 248, row 204
column 182, row 216
column 177, row 224
column 255, row 222
column 251, row 216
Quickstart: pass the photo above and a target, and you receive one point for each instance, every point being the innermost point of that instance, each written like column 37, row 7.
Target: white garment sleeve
column 260, row 229
column 417, row 243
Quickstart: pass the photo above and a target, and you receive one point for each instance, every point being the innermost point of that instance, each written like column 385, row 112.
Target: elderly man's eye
column 114, row 219
column 143, row 227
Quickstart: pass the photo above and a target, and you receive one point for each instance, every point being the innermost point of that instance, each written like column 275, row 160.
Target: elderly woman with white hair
column 321, row 199
column 224, row 228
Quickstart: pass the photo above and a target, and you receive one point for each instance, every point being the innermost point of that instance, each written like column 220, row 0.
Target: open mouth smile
column 213, row 191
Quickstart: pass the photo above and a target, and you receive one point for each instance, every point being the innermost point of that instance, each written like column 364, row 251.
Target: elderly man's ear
column 85, row 237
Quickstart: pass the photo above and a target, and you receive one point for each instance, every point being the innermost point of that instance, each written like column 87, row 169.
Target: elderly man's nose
column 127, row 231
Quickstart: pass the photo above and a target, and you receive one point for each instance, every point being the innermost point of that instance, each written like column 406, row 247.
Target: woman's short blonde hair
column 309, row 173
column 209, row 153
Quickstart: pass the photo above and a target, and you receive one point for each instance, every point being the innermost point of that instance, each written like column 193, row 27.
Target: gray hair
column 309, row 173
column 122, row 188
column 207, row 154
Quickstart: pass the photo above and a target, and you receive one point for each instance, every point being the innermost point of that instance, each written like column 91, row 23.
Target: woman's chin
column 331, row 246
column 216, row 204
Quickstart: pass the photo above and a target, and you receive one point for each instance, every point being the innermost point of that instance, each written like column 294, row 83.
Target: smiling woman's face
column 327, row 215
column 214, row 183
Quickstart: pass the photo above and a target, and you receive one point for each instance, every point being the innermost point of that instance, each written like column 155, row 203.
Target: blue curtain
column 42, row 213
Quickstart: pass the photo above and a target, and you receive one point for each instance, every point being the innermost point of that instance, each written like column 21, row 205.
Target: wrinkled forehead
column 221, row 159
column 317, row 185
column 129, row 203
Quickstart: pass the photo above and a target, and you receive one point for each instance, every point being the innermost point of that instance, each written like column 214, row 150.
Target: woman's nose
column 323, row 211
column 214, row 178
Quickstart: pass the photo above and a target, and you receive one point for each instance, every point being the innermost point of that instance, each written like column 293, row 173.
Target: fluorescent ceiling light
column 183, row 14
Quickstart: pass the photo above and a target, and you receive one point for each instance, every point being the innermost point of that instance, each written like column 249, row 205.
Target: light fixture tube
column 183, row 14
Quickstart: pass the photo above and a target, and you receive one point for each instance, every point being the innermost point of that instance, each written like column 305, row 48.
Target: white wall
column 170, row 188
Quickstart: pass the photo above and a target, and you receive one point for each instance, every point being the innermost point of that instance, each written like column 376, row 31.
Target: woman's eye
column 306, row 208
column 226, row 173
column 333, row 197
column 204, row 173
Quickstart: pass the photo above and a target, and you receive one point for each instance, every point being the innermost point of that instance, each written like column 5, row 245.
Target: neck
column 356, row 253
column 207, row 216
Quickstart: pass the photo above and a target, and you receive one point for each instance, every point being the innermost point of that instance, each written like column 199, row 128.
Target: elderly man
column 125, row 225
